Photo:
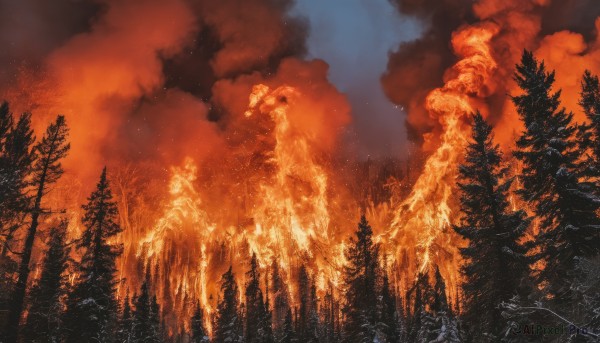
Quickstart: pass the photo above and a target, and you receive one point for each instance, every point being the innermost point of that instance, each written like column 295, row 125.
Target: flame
column 421, row 227
column 289, row 219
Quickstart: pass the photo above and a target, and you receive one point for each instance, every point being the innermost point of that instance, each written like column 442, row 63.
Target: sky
column 354, row 37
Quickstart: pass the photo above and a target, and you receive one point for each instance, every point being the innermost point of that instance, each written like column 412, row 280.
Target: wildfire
column 287, row 222
column 421, row 225
column 261, row 178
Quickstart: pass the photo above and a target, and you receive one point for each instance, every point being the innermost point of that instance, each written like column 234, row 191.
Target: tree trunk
column 16, row 308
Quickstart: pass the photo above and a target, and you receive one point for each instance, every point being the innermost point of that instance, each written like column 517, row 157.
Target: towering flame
column 288, row 221
column 421, row 226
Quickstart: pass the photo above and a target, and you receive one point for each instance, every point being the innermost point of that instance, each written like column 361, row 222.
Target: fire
column 421, row 227
column 289, row 220
column 285, row 217
column 179, row 238
column 197, row 194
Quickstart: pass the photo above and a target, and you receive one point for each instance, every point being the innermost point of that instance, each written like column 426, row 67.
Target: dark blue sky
column 354, row 37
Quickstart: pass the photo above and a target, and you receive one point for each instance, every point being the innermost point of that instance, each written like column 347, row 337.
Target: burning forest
column 196, row 171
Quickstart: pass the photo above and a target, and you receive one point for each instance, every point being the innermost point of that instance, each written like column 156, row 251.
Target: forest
column 529, row 268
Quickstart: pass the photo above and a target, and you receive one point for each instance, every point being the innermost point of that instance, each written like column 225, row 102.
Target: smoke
column 135, row 77
column 419, row 66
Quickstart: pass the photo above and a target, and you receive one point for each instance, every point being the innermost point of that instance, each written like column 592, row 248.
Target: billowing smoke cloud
column 419, row 66
column 135, row 77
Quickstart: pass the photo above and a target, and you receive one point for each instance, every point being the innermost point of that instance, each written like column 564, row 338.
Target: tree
column 16, row 159
column 92, row 306
column 589, row 134
column 360, row 286
column 228, row 325
column 256, row 314
column 494, row 233
column 288, row 334
column 421, row 320
column 307, row 330
column 199, row 332
column 125, row 330
column 388, row 316
column 447, row 326
column 146, row 324
column 328, row 314
column 566, row 206
column 47, row 170
column 43, row 322
column 281, row 304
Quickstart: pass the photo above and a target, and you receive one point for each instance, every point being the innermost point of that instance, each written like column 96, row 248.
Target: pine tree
column 494, row 232
column 421, row 320
column 228, row 325
column 146, row 323
column 360, row 286
column 125, row 330
column 267, row 320
column 156, row 333
column 92, row 306
column 589, row 134
column 45, row 301
column 281, row 300
column 288, row 334
column 307, row 332
column 328, row 318
column 566, row 207
column 313, row 318
column 47, row 170
column 446, row 324
column 255, row 306
column 388, row 313
column 16, row 160
column 199, row 332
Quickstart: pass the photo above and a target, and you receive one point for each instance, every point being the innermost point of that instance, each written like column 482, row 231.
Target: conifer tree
column 280, row 300
column 307, row 331
column 313, row 319
column 255, row 307
column 125, row 330
column 566, row 207
column 16, row 159
column 45, row 301
column 288, row 334
column 146, row 323
column 155, row 321
column 421, row 320
column 446, row 324
column 6, row 123
column 267, row 320
column 328, row 317
column 589, row 134
column 47, row 169
column 360, row 286
column 494, row 233
column 92, row 307
column 199, row 332
column 388, row 313
column 228, row 323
